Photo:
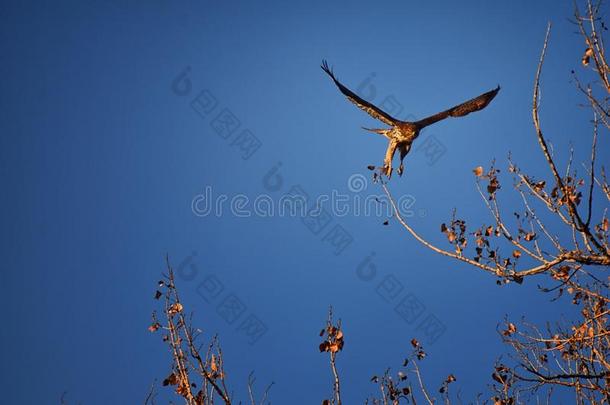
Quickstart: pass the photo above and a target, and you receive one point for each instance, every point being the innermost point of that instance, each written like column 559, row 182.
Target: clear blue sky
column 102, row 156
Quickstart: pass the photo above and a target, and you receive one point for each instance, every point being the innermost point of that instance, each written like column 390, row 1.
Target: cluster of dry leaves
column 196, row 377
column 558, row 235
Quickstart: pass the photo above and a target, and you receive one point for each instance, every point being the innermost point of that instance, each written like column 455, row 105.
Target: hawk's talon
column 401, row 169
column 387, row 170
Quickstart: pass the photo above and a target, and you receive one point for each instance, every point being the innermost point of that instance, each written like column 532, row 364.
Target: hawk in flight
column 401, row 134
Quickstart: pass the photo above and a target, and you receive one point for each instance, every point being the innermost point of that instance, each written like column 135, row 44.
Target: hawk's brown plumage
column 402, row 133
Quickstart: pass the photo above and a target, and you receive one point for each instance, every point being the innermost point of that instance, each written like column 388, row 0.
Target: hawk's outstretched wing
column 371, row 109
column 476, row 104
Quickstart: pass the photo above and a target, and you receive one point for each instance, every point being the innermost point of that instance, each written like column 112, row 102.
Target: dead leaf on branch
column 489, row 230
column 334, row 340
column 510, row 329
column 213, row 365
column 493, row 186
column 587, row 56
column 562, row 274
column 171, row 379
column 183, row 390
column 529, row 236
column 175, row 308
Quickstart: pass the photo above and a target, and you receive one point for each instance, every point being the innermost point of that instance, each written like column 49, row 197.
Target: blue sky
column 103, row 154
